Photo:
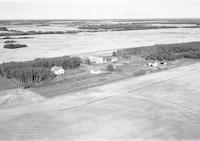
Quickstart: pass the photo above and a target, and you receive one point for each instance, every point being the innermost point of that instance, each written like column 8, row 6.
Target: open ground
column 158, row 106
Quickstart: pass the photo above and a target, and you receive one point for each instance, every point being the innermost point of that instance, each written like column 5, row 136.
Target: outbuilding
column 57, row 70
column 95, row 71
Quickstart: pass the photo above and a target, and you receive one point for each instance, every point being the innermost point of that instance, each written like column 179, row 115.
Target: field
column 132, row 100
column 132, row 62
column 159, row 106
column 55, row 38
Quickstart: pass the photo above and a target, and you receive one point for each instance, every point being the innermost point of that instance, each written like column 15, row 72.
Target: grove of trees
column 164, row 51
column 14, row 46
column 37, row 71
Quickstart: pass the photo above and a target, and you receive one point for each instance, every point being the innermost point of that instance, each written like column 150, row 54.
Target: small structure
column 114, row 59
column 57, row 70
column 110, row 59
column 95, row 71
column 154, row 64
column 163, row 63
column 96, row 59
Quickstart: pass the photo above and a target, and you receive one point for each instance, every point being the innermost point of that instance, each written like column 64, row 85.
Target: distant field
column 72, row 44
column 53, row 38
column 135, row 101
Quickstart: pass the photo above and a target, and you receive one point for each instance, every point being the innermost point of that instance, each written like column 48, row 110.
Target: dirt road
column 159, row 106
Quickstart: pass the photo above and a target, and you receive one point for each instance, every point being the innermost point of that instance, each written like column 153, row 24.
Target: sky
column 98, row 9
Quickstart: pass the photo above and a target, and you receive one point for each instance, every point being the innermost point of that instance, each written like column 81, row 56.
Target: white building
column 114, row 59
column 96, row 59
column 154, row 64
column 95, row 71
column 57, row 70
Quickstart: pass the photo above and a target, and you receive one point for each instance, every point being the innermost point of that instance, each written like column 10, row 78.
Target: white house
column 57, row 70
column 96, row 59
column 114, row 59
column 154, row 64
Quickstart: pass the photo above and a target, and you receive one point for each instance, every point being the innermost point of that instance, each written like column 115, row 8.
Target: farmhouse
column 153, row 64
column 57, row 70
column 96, row 59
column 104, row 59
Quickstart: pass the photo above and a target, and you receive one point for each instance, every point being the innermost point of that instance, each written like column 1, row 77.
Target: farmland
column 120, row 80
column 59, row 38
column 130, row 62
column 140, row 108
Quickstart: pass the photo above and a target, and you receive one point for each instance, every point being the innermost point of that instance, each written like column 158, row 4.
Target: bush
column 87, row 61
column 3, row 29
column 110, row 68
column 10, row 41
column 7, row 37
column 71, row 63
column 114, row 54
column 14, row 46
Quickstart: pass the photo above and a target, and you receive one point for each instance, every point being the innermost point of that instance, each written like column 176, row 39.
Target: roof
column 95, row 57
column 55, row 68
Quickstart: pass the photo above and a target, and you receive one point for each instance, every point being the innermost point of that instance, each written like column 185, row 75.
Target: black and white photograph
column 99, row 70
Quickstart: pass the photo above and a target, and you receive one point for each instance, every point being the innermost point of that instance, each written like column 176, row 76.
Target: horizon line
column 65, row 19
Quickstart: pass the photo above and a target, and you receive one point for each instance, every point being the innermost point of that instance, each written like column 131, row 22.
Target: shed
column 95, row 71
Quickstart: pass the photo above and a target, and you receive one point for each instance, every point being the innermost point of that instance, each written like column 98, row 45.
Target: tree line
column 164, row 51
